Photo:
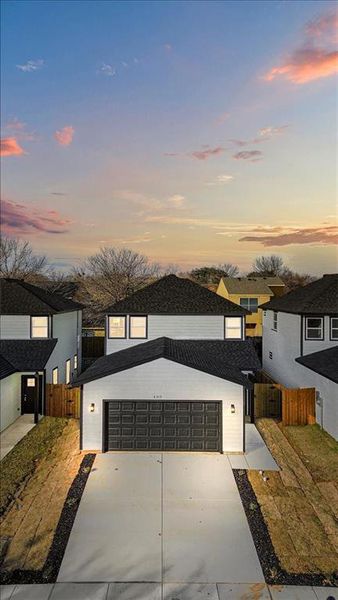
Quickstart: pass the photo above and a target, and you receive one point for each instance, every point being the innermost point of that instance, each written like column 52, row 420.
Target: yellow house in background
column 251, row 292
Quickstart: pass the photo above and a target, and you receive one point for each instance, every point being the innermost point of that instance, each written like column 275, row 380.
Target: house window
column 39, row 327
column 138, row 327
column 30, row 382
column 250, row 304
column 334, row 328
column 275, row 321
column 55, row 376
column 233, row 328
column 117, row 327
column 75, row 362
column 314, row 328
column 68, row 371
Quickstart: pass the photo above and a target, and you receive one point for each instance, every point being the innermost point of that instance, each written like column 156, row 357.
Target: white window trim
column 121, row 337
column 333, row 339
column 75, row 362
column 241, row 328
column 314, row 339
column 248, row 300
column 55, row 370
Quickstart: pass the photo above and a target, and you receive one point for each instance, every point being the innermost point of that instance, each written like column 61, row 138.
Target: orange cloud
column 10, row 147
column 316, row 56
column 19, row 219
column 65, row 136
column 311, row 235
column 306, row 65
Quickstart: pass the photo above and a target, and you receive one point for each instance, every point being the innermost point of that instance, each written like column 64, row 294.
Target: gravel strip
column 56, row 552
column 272, row 570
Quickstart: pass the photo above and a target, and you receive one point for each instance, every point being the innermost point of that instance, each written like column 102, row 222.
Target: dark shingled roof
column 174, row 295
column 25, row 355
column 5, row 368
column 223, row 359
column 324, row 363
column 317, row 298
column 21, row 298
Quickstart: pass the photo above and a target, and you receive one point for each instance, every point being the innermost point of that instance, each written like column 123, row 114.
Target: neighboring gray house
column 175, row 373
column 300, row 342
column 40, row 332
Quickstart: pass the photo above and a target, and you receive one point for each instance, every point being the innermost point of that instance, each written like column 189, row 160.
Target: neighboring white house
column 300, row 341
column 175, row 373
column 39, row 332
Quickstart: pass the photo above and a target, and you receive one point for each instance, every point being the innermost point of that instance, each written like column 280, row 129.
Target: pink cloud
column 250, row 155
column 315, row 58
column 65, row 136
column 206, row 154
column 18, row 219
column 306, row 65
column 10, row 147
column 312, row 235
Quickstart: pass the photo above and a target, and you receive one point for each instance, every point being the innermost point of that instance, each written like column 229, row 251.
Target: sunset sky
column 193, row 132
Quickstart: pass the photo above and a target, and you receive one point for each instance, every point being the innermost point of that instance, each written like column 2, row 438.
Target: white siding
column 166, row 380
column 10, row 400
column 195, row 327
column 285, row 345
column 15, row 327
column 65, row 329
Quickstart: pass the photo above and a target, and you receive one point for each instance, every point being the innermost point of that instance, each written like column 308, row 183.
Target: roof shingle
column 25, row 355
column 220, row 358
column 324, row 362
column 251, row 285
column 175, row 295
column 317, row 298
column 21, row 298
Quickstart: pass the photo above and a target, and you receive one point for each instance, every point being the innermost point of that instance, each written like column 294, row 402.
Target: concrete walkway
column 161, row 518
column 257, row 455
column 14, row 433
column 148, row 591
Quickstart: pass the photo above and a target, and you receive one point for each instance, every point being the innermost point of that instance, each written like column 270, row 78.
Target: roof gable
column 318, row 297
column 176, row 295
column 222, row 359
column 25, row 355
column 22, row 298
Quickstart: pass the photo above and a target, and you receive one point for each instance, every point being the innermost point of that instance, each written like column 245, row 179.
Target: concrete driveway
column 164, row 518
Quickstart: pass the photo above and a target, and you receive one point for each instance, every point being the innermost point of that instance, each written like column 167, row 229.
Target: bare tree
column 110, row 275
column 212, row 275
column 18, row 260
column 294, row 280
column 229, row 269
column 268, row 265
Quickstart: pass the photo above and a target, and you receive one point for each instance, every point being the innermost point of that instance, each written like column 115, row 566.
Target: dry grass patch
column 30, row 522
column 300, row 503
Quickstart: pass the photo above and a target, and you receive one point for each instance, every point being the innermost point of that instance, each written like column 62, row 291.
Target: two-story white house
column 300, row 344
column 174, row 376
column 40, row 342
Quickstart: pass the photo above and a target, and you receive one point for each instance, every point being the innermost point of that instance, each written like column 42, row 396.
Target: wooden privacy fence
column 298, row 406
column 293, row 406
column 62, row 401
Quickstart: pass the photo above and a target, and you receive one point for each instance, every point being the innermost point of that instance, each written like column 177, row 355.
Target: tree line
column 114, row 273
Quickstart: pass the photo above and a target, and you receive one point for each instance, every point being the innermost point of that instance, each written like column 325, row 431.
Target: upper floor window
column 334, row 328
column 68, row 371
column 233, row 328
column 55, row 376
column 39, row 327
column 138, row 327
column 314, row 328
column 75, row 362
column 250, row 304
column 275, row 321
column 117, row 327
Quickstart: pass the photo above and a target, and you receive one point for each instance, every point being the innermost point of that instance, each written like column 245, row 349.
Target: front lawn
column 300, row 503
column 39, row 472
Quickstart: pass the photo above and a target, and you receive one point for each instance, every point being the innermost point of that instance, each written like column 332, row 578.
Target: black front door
column 28, row 394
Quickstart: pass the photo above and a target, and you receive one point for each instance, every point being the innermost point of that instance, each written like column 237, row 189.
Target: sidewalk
column 173, row 591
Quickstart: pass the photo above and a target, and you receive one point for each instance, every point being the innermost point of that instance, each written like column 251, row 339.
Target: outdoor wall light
column 92, row 407
column 233, row 409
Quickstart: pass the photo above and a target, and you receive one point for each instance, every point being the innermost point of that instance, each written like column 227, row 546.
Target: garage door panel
column 170, row 425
